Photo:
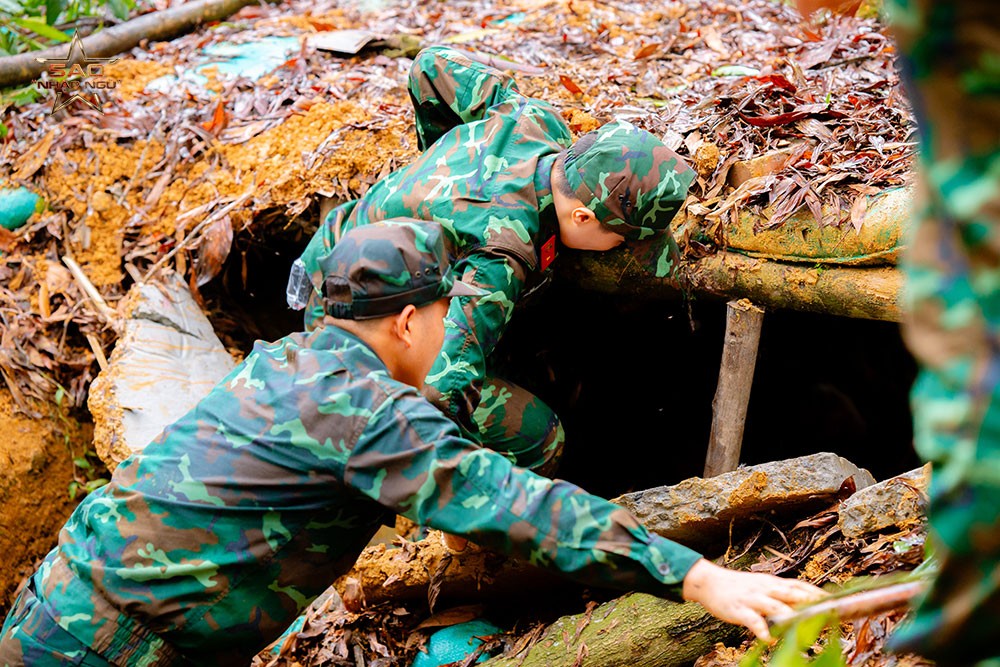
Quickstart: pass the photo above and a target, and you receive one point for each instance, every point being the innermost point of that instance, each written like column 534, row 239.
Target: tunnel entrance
column 633, row 381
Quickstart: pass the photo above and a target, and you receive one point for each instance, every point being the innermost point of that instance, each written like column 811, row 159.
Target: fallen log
column 155, row 26
column 797, row 265
column 864, row 293
column 636, row 629
column 427, row 570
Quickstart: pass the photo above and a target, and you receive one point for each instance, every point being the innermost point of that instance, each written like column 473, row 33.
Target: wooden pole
column 729, row 407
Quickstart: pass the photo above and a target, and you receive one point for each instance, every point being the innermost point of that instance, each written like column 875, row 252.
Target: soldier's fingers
column 771, row 606
column 756, row 623
column 795, row 591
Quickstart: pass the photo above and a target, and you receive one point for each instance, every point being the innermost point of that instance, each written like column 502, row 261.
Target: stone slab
column 893, row 502
column 697, row 512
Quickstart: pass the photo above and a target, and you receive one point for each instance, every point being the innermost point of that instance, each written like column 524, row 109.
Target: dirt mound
column 34, row 487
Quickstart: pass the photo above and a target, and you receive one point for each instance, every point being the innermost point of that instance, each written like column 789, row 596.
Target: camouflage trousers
column 519, row 425
column 951, row 54
column 32, row 637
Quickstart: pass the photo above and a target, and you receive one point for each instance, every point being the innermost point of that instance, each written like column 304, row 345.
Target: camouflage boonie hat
column 378, row 269
column 631, row 181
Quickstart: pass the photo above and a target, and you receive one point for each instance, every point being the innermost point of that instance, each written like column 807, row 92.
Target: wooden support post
column 729, row 407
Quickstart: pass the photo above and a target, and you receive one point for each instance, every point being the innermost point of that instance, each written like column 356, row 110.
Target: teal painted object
column 453, row 643
column 16, row 206
column 250, row 59
column 295, row 627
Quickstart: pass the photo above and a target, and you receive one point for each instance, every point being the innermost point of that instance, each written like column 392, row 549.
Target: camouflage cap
column 628, row 178
column 378, row 269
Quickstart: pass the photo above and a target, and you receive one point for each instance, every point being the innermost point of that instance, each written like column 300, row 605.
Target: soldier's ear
column 404, row 324
column 583, row 217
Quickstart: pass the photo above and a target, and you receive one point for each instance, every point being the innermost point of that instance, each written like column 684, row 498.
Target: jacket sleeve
column 473, row 327
column 449, row 89
column 414, row 461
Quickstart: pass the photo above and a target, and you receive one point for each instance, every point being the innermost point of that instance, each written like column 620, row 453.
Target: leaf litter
column 128, row 190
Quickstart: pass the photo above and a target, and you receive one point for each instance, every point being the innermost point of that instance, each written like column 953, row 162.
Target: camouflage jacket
column 240, row 513
column 484, row 175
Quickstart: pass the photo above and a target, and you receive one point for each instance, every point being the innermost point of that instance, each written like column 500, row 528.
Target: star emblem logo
column 75, row 64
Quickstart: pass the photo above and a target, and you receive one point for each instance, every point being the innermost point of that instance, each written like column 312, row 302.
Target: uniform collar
column 548, row 224
column 345, row 338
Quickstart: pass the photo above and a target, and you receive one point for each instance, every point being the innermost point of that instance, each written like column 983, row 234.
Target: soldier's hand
column 745, row 598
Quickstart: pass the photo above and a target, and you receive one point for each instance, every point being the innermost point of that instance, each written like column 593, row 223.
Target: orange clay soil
column 35, row 471
column 132, row 75
column 105, row 186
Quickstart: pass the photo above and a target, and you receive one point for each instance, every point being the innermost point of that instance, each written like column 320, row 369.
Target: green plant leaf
column 43, row 29
column 95, row 484
column 119, row 8
column 21, row 96
column 11, row 7
column 53, row 8
column 83, row 463
column 4, row 130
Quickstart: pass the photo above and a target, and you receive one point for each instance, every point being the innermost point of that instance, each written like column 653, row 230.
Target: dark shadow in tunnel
column 633, row 383
column 633, row 380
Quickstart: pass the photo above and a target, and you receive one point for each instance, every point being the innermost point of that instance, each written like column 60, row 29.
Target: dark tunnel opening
column 633, row 380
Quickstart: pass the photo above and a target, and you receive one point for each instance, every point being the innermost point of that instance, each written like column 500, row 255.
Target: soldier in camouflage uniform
column 951, row 52
column 951, row 62
column 498, row 173
column 204, row 546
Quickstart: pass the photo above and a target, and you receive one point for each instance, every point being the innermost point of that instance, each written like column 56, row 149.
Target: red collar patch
column 548, row 252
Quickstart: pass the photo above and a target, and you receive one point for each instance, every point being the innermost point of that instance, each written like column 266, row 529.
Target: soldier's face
column 582, row 231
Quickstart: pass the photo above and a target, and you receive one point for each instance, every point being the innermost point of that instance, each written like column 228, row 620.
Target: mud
column 35, row 474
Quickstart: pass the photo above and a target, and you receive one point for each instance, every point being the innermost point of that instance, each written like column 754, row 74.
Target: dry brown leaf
column 32, row 159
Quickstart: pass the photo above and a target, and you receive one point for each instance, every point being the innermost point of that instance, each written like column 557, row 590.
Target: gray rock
column 893, row 502
column 698, row 511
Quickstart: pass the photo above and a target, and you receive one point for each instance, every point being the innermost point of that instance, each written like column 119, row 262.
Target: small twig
column 100, row 305
column 845, row 61
column 133, row 272
column 95, row 346
column 857, row 605
column 142, row 158
column 194, row 232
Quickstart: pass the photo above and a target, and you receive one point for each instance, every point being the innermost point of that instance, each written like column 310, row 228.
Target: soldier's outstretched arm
column 414, row 461
column 448, row 89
